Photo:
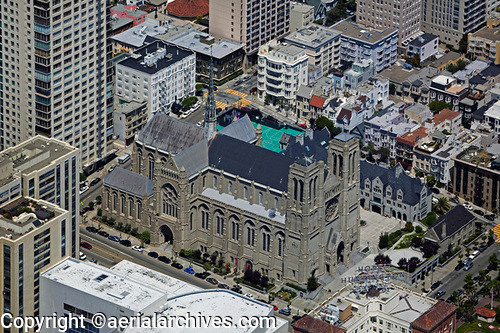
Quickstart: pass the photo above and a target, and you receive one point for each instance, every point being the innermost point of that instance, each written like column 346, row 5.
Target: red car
column 86, row 245
column 275, row 308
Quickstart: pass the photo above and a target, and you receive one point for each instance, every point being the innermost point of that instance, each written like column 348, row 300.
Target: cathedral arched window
column 151, row 166
column 130, row 207
column 169, row 200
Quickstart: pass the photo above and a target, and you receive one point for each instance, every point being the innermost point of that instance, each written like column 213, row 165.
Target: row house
column 444, row 89
column 352, row 115
column 405, row 145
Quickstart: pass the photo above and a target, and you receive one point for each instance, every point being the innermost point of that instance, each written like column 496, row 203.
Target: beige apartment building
column 404, row 15
column 451, row 19
column 250, row 22
column 34, row 235
column 485, row 43
column 300, row 15
column 53, row 71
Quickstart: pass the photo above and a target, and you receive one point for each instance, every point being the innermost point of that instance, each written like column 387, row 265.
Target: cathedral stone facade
column 287, row 215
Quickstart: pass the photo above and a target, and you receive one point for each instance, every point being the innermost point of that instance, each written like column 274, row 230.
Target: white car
column 84, row 189
column 249, row 296
column 195, row 107
column 137, row 248
column 82, row 256
column 467, row 206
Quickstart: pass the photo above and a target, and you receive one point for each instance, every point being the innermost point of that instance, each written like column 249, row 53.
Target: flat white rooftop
column 104, row 283
column 170, row 285
column 211, row 303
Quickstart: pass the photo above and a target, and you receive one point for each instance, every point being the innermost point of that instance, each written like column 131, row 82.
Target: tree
column 145, row 237
column 248, row 275
column 98, row 198
column 403, row 263
column 312, row 282
column 392, row 88
column 429, row 248
column 383, row 240
column 189, row 101
column 381, row 259
column 414, row 61
column 99, row 211
column 418, row 229
column 430, row 180
column 197, row 254
column 416, row 242
column 493, row 262
column 437, row 106
column 323, row 122
column 463, row 43
column 91, row 205
column 264, row 281
column 82, row 177
column 413, row 264
column 442, row 206
column 384, row 152
column 256, row 277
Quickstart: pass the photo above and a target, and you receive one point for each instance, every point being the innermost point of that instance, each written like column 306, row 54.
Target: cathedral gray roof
column 193, row 159
column 241, row 129
column 249, row 161
column 130, row 182
column 454, row 219
column 170, row 134
column 394, row 177
column 315, row 148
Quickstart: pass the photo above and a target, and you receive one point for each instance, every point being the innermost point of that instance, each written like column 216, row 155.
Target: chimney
column 443, row 231
column 309, row 133
column 300, row 139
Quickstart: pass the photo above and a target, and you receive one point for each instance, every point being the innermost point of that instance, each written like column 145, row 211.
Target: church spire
column 210, row 112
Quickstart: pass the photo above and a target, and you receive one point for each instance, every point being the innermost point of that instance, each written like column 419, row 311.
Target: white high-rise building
column 53, row 73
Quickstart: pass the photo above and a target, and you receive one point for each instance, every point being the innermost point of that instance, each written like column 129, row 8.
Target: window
column 139, row 208
column 130, row 207
column 280, row 246
column 215, row 181
column 122, row 204
column 115, row 199
column 250, row 235
column 261, row 198
column 220, row 225
column 151, row 169
column 230, row 187
column 245, row 192
column 169, row 197
column 266, row 241
column 235, row 230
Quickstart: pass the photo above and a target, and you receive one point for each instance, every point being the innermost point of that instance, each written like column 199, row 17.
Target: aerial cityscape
column 250, row 165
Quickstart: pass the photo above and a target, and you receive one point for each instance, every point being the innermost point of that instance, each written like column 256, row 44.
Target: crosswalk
column 496, row 231
column 235, row 92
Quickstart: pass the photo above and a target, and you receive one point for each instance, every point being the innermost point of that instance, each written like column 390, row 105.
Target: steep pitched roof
column 170, row 134
column 434, row 316
column 315, row 148
column 344, row 113
column 242, row 129
column 308, row 324
column 193, row 159
column 411, row 138
column 396, row 178
column 129, row 182
column 249, row 161
column 188, row 8
column 455, row 219
column 317, row 101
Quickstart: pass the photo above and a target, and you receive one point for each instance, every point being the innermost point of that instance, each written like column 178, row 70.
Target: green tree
column 442, row 206
column 98, row 198
column 437, row 106
column 91, row 205
column 312, row 282
column 370, row 148
column 189, row 101
column 383, row 240
column 82, row 177
column 99, row 211
column 323, row 122
column 145, row 237
column 384, row 152
column 493, row 262
column 199, row 86
column 430, row 180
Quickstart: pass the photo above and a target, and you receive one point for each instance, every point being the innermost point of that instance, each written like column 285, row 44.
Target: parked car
column 92, row 229
column 177, row 265
column 164, row 259
column 483, row 247
column 97, row 202
column 94, row 260
column 460, row 292
column 467, row 206
column 189, row 270
column 450, row 299
column 223, row 286
column 153, row 254
column 95, row 181
column 435, row 285
column 285, row 312
column 137, row 248
column 246, row 78
column 459, row 266
column 478, row 212
column 275, row 307
column 86, row 245
column 237, row 289
column 205, row 274
column 111, row 168
column 103, row 233
column 126, row 242
column 199, row 275
column 249, row 295
column 468, row 266
column 212, row 280
column 114, row 238
column 440, row 294
column 82, row 256
column 84, row 189
column 490, row 217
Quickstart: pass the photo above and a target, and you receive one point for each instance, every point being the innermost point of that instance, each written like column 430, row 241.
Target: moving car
column 86, row 245
column 189, row 270
column 285, row 312
column 114, row 238
column 212, row 280
column 153, row 254
column 92, row 229
column 82, row 256
column 137, row 248
column 164, row 259
column 440, row 294
column 177, row 265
